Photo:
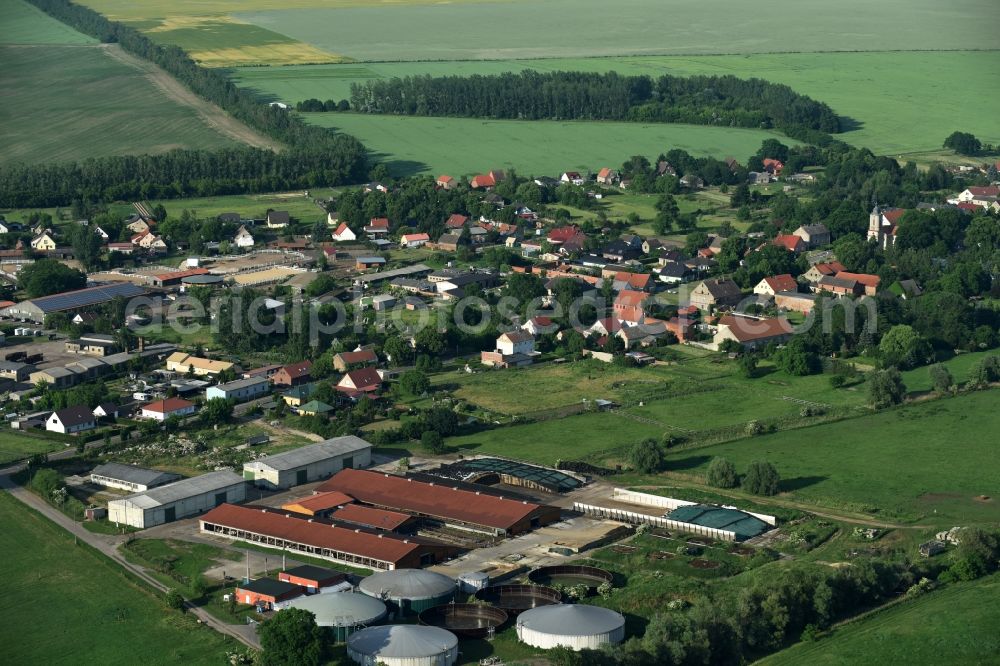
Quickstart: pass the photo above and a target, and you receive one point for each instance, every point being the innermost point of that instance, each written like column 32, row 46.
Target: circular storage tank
column 201, row 280
column 472, row 582
column 467, row 620
column 575, row 626
column 344, row 612
column 515, row 599
column 409, row 591
column 403, row 645
column 571, row 575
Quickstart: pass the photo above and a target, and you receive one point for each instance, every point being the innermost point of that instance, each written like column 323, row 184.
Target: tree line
column 314, row 156
column 529, row 95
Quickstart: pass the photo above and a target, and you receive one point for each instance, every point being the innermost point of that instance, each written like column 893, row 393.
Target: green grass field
column 14, row 446
column 928, row 99
column 956, row 625
column 410, row 145
column 571, row 28
column 24, row 24
column 930, row 461
column 65, row 601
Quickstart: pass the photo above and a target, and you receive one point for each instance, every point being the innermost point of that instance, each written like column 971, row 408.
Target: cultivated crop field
column 69, row 99
column 66, row 601
column 928, row 461
column 410, row 145
column 928, row 100
column 959, row 621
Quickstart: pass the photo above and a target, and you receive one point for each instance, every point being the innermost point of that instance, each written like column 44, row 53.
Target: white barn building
column 178, row 500
column 310, row 463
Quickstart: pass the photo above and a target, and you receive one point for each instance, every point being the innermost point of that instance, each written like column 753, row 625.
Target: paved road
column 108, row 546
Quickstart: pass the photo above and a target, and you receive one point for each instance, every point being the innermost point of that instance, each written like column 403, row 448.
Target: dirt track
column 210, row 114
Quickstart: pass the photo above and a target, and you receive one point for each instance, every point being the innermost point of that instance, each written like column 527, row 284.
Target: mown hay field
column 25, row 24
column 410, row 145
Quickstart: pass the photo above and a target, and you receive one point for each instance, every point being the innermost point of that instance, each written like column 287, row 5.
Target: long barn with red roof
column 446, row 503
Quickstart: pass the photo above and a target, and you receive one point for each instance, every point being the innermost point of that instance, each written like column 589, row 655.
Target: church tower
column 875, row 226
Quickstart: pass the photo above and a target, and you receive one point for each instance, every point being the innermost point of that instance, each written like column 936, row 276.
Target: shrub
column 941, row 378
column 886, row 388
column 761, row 478
column 175, row 600
column 722, row 474
column 646, row 456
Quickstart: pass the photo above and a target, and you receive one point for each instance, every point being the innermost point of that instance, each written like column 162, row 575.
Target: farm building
column 312, row 578
column 343, row 612
column 37, row 309
column 409, row 591
column 240, row 390
column 380, row 519
column 355, row 546
column 752, row 332
column 309, row 463
column 443, row 503
column 320, row 504
column 177, row 500
column 744, row 525
column 266, row 592
column 183, row 363
column 130, row 477
column 403, row 645
column 575, row 626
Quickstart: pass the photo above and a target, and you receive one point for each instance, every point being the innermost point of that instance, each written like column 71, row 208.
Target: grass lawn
column 14, row 446
column 70, row 601
column 919, row 379
column 178, row 563
column 957, row 623
column 410, row 145
column 913, row 126
column 84, row 103
column 469, row 31
column 26, row 24
column 927, row 462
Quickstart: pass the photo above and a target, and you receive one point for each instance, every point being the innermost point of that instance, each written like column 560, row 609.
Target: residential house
column 573, row 177
column 277, row 219
column 607, row 176
column 298, row 395
column 790, row 242
column 651, row 245
column 123, row 248
column 446, row 182
column 314, row 408
column 43, row 242
column 71, row 420
column 240, row 390
column 540, row 324
column 770, row 286
column 137, row 224
column 818, row 271
column 449, row 242
column 838, row 286
column 971, row 194
column 293, row 374
column 624, row 280
column 692, row 182
column 513, row 349
column 377, row 227
column 161, row 410
column 906, row 289
column 869, row 283
column 628, row 306
column 243, row 238
column 715, row 293
column 751, row 332
column 414, row 240
column 360, row 381
column 673, row 273
column 814, row 235
column 344, row 361
column 773, row 166
column 482, row 182
column 107, row 410
column 456, row 221
column 343, row 234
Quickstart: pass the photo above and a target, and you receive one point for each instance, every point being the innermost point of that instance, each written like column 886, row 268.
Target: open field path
column 210, row 114
column 108, row 546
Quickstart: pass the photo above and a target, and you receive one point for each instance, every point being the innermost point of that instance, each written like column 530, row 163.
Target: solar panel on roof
column 81, row 298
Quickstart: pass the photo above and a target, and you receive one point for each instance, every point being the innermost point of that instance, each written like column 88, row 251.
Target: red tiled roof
column 444, row 179
column 361, row 356
column 334, row 537
column 483, row 181
column 341, row 229
column 406, row 238
column 781, row 282
column 167, row 406
column 968, row 205
column 628, row 298
column 366, row 515
column 177, row 275
column 562, row 234
column 604, row 173
column 297, row 370
column 364, row 379
column 790, row 242
column 864, row 278
column 456, row 221
column 432, row 499
column 829, row 268
column 638, row 280
column 746, row 329
column 894, row 214
column 989, row 191
column 319, row 502
column 379, row 223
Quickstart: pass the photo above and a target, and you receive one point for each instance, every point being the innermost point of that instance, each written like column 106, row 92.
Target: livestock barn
column 445, row 502
column 309, row 463
column 338, row 542
column 181, row 499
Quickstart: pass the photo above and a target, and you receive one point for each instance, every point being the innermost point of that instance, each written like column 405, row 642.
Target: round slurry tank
column 575, row 626
column 473, row 581
column 205, row 279
column 403, row 645
column 515, row 599
column 409, row 591
column 466, row 620
column 571, row 575
column 343, row 612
